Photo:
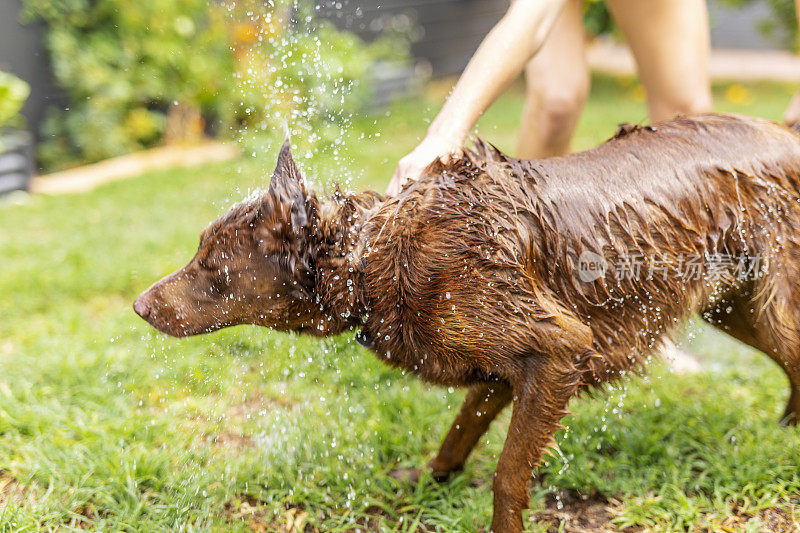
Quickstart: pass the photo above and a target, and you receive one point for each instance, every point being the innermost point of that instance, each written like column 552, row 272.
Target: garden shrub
column 596, row 18
column 13, row 93
column 128, row 69
column 299, row 73
column 135, row 74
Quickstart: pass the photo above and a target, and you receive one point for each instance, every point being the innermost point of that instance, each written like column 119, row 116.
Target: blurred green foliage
column 122, row 66
column 312, row 76
column 596, row 18
column 13, row 93
column 136, row 74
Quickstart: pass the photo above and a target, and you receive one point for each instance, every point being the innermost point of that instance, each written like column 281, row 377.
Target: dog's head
column 253, row 266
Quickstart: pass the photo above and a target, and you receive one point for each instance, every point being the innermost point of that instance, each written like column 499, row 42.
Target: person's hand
column 792, row 115
column 411, row 166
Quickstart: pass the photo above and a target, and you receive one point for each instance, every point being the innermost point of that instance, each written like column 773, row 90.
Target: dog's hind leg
column 770, row 323
column 780, row 321
column 481, row 405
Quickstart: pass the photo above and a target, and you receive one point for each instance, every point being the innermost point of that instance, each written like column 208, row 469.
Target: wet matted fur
column 475, row 274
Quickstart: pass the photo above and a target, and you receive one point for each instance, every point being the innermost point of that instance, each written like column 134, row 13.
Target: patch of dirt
column 256, row 404
column 250, row 510
column 83, row 517
column 574, row 512
column 373, row 520
column 376, row 515
column 231, row 439
column 15, row 495
column 11, row 492
column 7, row 348
column 293, row 518
column 784, row 519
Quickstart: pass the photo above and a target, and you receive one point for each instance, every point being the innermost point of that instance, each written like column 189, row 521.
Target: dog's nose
column 142, row 307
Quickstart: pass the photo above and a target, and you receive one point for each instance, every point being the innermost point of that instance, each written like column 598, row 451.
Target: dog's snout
column 142, row 306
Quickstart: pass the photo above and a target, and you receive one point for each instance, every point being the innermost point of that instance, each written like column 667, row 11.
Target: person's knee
column 664, row 107
column 559, row 107
column 690, row 104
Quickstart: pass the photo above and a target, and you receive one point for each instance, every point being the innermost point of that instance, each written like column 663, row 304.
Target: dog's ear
column 287, row 185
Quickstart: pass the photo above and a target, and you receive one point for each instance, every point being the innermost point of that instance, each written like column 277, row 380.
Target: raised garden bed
column 16, row 160
column 87, row 177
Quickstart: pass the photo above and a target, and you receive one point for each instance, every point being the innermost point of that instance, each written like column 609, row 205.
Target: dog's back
column 691, row 170
column 649, row 204
column 687, row 216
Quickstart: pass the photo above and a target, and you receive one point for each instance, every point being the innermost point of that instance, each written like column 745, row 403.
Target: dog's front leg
column 540, row 402
column 482, row 404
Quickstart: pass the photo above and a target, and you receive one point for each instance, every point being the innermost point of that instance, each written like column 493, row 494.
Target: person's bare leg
column 557, row 85
column 670, row 41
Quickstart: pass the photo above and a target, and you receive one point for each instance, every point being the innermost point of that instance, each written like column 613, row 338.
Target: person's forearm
column 498, row 61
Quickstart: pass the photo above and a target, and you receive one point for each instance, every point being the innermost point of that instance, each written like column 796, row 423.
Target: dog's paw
column 407, row 475
column 790, row 420
column 413, row 475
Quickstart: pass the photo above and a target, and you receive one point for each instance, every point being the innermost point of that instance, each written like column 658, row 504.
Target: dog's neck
column 337, row 259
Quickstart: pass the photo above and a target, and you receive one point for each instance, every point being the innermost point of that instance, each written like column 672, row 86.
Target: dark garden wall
column 443, row 32
column 22, row 54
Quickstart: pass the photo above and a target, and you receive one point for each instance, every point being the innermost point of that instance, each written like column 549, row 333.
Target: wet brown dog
column 527, row 281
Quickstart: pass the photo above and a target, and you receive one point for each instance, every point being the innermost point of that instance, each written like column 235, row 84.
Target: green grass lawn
column 106, row 425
